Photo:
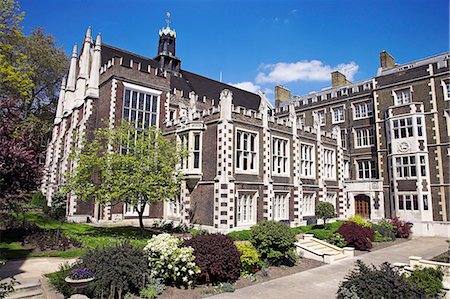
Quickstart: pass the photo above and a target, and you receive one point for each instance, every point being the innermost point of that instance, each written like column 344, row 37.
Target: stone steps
column 319, row 250
column 27, row 289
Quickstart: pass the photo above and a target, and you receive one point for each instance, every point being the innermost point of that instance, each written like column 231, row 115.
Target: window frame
column 278, row 156
column 311, row 204
column 329, row 168
column 334, row 114
column 402, row 204
column 367, row 113
column 408, row 168
column 280, row 199
column 369, row 168
column 239, row 169
column 401, row 101
column 311, row 163
column 252, row 196
column 369, row 137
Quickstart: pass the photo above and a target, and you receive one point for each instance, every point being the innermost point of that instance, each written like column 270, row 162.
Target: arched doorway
column 362, row 205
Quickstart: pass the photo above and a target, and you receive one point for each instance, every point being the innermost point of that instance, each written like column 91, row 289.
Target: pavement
column 323, row 282
column 32, row 268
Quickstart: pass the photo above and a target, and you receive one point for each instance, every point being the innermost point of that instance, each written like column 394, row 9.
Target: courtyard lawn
column 89, row 236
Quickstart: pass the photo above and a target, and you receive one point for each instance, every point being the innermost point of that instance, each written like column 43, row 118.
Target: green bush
column 337, row 239
column 325, row 210
column 360, row 221
column 38, row 200
column 153, row 288
column 250, row 261
column 58, row 207
column 370, row 282
column 117, row 269
column 429, row 279
column 384, row 231
column 240, row 235
column 274, row 241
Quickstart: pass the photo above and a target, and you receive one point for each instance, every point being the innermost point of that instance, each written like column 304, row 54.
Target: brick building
column 250, row 161
column 395, row 130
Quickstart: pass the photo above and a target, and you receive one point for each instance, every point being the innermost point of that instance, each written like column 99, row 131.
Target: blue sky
column 258, row 43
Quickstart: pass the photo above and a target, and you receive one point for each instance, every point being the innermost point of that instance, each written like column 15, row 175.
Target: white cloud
column 247, row 85
column 250, row 86
column 304, row 70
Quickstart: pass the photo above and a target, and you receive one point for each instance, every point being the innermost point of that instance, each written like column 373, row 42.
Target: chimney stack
column 282, row 94
column 386, row 60
column 338, row 79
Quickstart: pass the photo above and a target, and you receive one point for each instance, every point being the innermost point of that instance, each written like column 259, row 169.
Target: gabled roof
column 210, row 88
column 188, row 81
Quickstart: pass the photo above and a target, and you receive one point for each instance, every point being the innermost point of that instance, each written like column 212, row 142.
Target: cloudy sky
column 258, row 44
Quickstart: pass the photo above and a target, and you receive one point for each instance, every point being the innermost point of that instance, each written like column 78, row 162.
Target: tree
column 20, row 172
column 136, row 167
column 15, row 70
column 325, row 210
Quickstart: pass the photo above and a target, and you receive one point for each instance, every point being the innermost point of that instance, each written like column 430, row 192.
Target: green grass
column 90, row 237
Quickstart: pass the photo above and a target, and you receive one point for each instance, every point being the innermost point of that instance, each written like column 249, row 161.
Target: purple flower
column 81, row 273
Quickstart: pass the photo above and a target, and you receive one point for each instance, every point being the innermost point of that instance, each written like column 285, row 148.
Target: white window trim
column 169, row 209
column 355, row 137
column 394, row 95
column 324, row 110
column 445, row 90
column 333, row 200
column 145, row 90
column 312, row 211
column 190, row 142
column 241, row 171
column 334, row 164
column 255, row 196
column 140, row 88
column 419, row 204
column 367, row 102
column 313, row 159
column 364, row 170
column 333, row 121
column 288, row 154
column 285, row 197
column 409, row 165
column 301, row 116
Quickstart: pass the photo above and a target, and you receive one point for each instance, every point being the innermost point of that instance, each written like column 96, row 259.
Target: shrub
column 337, row 239
column 429, row 279
column 80, row 273
column 360, row 221
column 170, row 261
column 153, row 288
column 250, row 262
column 58, row 207
column 117, row 269
column 240, row 235
column 217, row 257
column 49, row 240
column 325, row 210
column 274, row 242
column 403, row 230
column 15, row 229
column 357, row 236
column 38, row 200
column 384, row 231
column 370, row 282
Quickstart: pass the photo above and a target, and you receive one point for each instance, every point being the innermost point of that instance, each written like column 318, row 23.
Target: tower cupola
column 167, row 59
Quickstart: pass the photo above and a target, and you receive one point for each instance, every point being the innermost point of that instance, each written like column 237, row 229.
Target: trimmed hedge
column 356, row 236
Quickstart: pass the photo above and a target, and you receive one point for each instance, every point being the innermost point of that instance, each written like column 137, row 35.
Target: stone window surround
column 310, row 162
column 280, row 206
column 144, row 90
column 322, row 119
column 256, row 152
column 405, row 166
column 366, row 112
column 250, row 196
column 446, row 89
column 174, row 208
column 367, row 137
column 402, row 91
column 285, row 158
column 309, row 203
column 364, row 167
column 340, row 115
column 329, row 164
column 405, row 199
column 189, row 142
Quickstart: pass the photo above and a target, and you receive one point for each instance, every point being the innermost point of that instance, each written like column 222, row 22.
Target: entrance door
column 362, row 205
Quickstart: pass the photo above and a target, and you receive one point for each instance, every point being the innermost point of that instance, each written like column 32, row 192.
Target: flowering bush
column 217, row 257
column 403, row 230
column 171, row 262
column 81, row 273
column 357, row 236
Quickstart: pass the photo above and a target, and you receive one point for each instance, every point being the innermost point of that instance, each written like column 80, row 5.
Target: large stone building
column 378, row 148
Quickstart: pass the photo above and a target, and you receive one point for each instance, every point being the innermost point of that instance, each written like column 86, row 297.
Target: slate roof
column 188, row 82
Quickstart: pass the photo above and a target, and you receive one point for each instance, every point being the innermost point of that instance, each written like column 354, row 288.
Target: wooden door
column 362, row 206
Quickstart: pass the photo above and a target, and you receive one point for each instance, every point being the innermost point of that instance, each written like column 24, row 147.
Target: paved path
column 25, row 269
column 323, row 282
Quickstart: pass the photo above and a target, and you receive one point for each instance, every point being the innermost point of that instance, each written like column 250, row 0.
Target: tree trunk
column 140, row 212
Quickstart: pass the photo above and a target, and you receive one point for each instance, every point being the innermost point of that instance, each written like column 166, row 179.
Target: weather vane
column 168, row 19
